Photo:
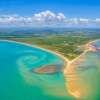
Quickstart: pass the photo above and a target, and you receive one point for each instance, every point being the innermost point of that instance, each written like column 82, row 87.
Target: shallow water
column 83, row 75
column 18, row 82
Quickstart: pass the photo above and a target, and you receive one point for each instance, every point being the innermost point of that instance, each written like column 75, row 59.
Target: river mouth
column 83, row 74
column 21, row 75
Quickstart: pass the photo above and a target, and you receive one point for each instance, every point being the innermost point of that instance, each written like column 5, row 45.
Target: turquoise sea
column 19, row 82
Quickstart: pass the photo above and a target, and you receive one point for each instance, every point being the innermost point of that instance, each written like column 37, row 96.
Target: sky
column 70, row 10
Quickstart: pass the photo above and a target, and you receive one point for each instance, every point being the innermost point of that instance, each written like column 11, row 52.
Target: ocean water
column 18, row 82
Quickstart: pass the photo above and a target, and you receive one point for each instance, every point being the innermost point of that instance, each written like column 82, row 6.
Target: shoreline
column 88, row 49
column 66, row 61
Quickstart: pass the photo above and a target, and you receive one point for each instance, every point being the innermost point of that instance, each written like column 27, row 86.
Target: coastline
column 66, row 61
column 87, row 49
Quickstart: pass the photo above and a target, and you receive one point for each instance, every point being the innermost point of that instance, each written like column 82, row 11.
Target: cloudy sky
column 55, row 13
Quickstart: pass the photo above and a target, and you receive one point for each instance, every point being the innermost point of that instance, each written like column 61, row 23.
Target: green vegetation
column 68, row 45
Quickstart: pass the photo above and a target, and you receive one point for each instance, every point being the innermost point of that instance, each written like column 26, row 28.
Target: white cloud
column 46, row 18
column 49, row 18
column 97, row 21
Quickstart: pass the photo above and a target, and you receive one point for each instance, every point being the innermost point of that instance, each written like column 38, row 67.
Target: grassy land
column 67, row 45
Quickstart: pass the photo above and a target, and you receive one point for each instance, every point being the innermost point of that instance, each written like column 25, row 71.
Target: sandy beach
column 47, row 50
